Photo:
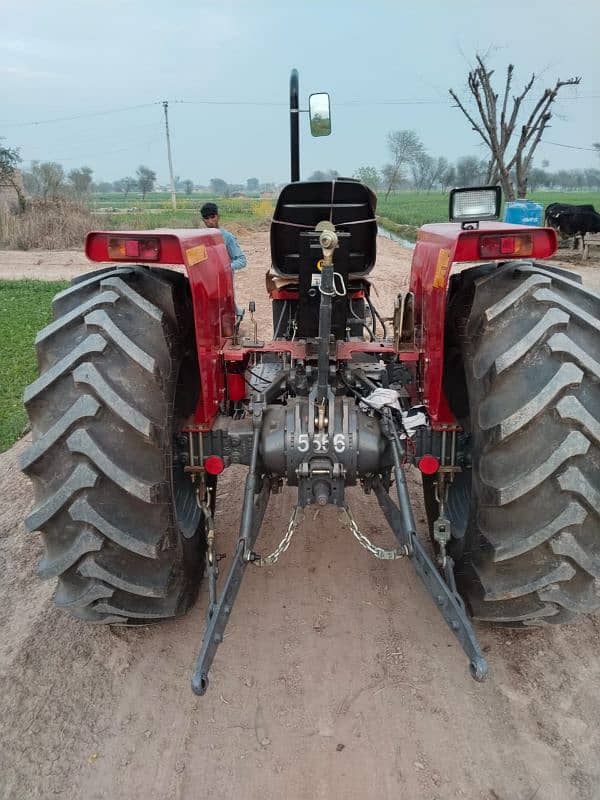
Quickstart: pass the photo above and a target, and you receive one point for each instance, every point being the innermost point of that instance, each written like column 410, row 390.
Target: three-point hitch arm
column 321, row 440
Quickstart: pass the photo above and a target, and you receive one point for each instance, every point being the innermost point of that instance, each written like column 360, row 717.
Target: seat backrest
column 346, row 203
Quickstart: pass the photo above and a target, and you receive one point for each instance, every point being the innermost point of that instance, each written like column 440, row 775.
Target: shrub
column 47, row 224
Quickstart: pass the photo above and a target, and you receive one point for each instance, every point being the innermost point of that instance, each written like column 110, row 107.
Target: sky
column 82, row 82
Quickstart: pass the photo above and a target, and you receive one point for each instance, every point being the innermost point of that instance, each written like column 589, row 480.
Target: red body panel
column 204, row 255
column 438, row 248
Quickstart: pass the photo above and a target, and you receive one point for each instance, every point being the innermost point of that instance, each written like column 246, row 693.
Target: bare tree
column 497, row 124
column 471, row 171
column 45, row 179
column 369, row 176
column 428, row 172
column 10, row 176
column 393, row 177
column 81, row 180
column 146, row 178
column 405, row 146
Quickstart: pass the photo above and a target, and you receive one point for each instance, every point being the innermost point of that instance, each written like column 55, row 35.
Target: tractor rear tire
column 529, row 339
column 118, row 515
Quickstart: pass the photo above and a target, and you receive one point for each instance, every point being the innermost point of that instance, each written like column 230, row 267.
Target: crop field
column 404, row 211
column 24, row 309
column 412, row 209
column 116, row 211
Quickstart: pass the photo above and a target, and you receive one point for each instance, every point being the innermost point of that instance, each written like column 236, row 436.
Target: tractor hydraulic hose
column 364, row 324
column 376, row 314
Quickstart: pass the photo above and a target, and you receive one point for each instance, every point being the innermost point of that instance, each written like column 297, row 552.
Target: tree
column 428, row 172
column 471, row 171
column 188, row 186
column 252, row 184
column 592, row 178
column 405, row 146
column 497, row 126
column 45, row 179
column 219, row 187
column 327, row 175
column 145, row 180
column 448, row 177
column 538, row 177
column 392, row 177
column 369, row 176
column 104, row 187
column 10, row 159
column 81, row 180
column 124, row 185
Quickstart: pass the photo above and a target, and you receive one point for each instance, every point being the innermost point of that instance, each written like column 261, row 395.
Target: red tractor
column 487, row 379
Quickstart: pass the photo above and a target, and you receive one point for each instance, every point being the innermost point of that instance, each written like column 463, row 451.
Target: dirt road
column 336, row 679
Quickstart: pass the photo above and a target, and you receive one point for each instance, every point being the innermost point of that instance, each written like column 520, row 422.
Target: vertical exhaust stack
column 294, row 127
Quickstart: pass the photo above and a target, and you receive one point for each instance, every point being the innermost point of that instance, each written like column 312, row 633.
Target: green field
column 24, row 309
column 402, row 211
column 118, row 212
column 412, row 209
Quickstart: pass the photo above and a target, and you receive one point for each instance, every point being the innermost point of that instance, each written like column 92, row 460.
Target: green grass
column 155, row 211
column 24, row 309
column 413, row 209
column 153, row 199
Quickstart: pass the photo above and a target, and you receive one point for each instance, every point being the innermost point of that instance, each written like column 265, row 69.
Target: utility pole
column 173, row 193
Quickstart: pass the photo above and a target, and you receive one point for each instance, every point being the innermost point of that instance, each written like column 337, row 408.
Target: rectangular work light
column 475, row 204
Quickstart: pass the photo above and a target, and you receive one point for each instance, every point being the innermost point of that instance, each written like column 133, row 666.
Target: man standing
column 210, row 215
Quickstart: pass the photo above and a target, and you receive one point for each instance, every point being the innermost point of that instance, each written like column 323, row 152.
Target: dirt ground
column 337, row 677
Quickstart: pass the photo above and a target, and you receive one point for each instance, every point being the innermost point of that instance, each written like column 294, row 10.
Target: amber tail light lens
column 518, row 244
column 147, row 249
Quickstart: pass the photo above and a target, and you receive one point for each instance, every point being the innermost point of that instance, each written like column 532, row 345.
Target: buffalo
column 572, row 220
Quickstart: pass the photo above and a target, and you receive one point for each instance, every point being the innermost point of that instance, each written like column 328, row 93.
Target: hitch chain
column 363, row 539
column 283, row 545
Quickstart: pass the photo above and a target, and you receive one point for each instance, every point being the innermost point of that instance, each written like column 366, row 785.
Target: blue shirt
column 234, row 251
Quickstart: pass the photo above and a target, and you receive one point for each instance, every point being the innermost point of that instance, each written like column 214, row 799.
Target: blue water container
column 523, row 212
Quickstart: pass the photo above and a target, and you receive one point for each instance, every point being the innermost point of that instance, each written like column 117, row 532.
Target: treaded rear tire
column 531, row 357
column 118, row 376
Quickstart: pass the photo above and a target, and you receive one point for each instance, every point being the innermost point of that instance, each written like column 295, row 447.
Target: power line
column 229, row 103
column 571, row 146
column 417, row 101
column 78, row 116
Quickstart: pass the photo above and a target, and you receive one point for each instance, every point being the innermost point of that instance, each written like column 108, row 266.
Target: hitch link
column 256, row 496
column 443, row 591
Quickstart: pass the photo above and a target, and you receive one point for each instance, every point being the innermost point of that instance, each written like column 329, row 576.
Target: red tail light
column 520, row 244
column 123, row 248
column 511, row 242
column 428, row 464
column 214, row 465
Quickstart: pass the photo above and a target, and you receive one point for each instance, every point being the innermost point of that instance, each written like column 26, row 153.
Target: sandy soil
column 337, row 677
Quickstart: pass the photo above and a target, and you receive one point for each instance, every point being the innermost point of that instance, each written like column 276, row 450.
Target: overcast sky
column 387, row 66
